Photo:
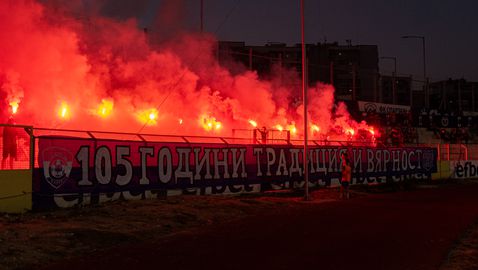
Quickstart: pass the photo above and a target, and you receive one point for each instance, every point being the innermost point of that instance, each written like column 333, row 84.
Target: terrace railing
column 26, row 138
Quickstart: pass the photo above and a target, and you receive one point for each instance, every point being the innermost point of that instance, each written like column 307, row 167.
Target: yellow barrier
column 15, row 191
column 443, row 170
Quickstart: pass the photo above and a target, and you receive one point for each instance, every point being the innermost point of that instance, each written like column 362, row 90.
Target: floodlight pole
column 394, row 89
column 202, row 16
column 427, row 98
column 304, row 99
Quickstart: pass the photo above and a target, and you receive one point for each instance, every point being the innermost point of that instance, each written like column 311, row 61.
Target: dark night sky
column 448, row 26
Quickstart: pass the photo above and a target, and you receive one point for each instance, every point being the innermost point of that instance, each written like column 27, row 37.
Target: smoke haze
column 88, row 65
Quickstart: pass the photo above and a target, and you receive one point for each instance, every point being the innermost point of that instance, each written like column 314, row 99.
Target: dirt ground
column 465, row 254
column 35, row 239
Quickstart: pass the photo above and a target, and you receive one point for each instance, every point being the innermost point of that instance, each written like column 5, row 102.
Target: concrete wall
column 15, row 191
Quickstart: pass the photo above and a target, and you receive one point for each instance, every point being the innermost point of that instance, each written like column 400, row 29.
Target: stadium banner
column 74, row 171
column 444, row 121
column 465, row 169
column 382, row 108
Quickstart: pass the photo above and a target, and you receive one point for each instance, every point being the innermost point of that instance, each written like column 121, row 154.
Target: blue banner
column 75, row 171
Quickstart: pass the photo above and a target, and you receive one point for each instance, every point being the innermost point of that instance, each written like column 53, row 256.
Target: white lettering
column 121, row 152
column 183, row 171
column 295, row 165
column 103, row 165
column 236, row 162
column 282, row 164
column 257, row 153
column 222, row 163
column 145, row 151
column 203, row 163
column 271, row 159
column 165, row 165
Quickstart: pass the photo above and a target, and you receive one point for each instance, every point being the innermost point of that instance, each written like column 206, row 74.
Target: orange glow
column 64, row 111
column 315, row 128
column 253, row 123
column 111, row 86
column 105, row 108
column 372, row 131
column 350, row 131
column 14, row 106
column 148, row 117
column 210, row 123
column 292, row 129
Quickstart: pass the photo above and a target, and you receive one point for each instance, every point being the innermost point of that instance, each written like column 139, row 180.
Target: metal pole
column 304, row 98
column 394, row 74
column 394, row 83
column 375, row 88
column 202, row 15
column 250, row 58
column 331, row 72
column 395, row 66
column 459, row 96
column 424, row 59
column 446, row 105
column 280, row 68
column 353, row 83
column 411, row 91
column 427, row 98
column 473, row 97
column 427, row 94
column 394, row 89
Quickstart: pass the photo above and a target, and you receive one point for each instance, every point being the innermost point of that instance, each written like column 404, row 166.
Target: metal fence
column 19, row 144
column 455, row 152
column 16, row 146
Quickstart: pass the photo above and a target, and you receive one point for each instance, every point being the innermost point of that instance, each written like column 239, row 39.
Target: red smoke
column 89, row 72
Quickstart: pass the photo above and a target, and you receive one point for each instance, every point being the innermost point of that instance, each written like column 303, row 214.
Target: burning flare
column 210, row 123
column 105, row 108
column 148, row 117
column 14, row 106
column 64, row 111
column 372, row 131
column 292, row 128
column 117, row 62
column 253, row 123
column 315, row 128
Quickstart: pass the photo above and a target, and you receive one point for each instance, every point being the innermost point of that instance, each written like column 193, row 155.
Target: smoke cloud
column 88, row 66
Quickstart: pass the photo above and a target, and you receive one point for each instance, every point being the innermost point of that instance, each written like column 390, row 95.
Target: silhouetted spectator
column 263, row 132
column 396, row 137
column 9, row 144
column 346, row 176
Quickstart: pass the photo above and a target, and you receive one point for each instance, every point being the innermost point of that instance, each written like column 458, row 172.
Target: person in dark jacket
column 9, row 144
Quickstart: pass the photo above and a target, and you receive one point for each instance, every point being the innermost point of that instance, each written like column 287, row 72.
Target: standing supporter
column 9, row 144
column 346, row 177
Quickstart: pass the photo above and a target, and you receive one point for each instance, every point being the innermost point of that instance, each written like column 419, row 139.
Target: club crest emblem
column 57, row 164
column 445, row 121
column 428, row 160
column 370, row 107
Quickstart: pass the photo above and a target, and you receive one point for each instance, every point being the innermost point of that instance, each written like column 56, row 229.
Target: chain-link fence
column 15, row 147
column 18, row 142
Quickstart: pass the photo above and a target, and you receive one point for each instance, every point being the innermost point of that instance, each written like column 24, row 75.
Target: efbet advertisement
column 464, row 169
column 83, row 171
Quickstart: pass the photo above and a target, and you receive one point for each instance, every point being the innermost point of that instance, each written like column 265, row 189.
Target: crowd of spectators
column 453, row 135
column 399, row 128
column 395, row 129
